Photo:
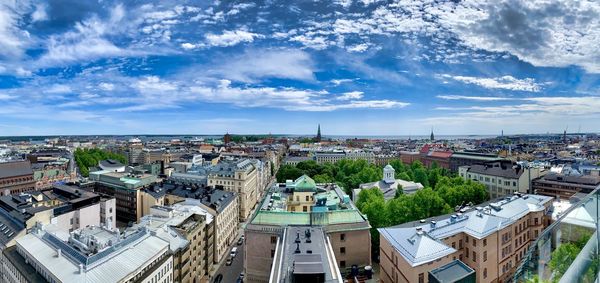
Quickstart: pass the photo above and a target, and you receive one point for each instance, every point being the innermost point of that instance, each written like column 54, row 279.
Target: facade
column 241, row 177
column 564, row 186
column 16, row 177
column 389, row 185
column 346, row 230
column 91, row 255
column 50, row 166
column 294, row 160
column 333, row 157
column 441, row 158
column 459, row 159
column 491, row 240
column 408, row 157
column 222, row 205
column 125, row 188
column 189, row 230
column 501, row 178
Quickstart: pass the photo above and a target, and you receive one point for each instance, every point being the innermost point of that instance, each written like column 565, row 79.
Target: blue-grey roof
column 478, row 223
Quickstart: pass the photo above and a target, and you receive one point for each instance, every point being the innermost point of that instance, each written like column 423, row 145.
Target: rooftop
column 452, row 272
column 420, row 243
column 499, row 169
column 15, row 168
column 214, row 198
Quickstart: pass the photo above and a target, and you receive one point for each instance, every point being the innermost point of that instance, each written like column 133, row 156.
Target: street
column 231, row 273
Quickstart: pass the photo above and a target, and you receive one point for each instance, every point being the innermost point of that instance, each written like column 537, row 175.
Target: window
column 342, row 237
column 467, row 254
column 484, row 256
column 304, row 208
column 535, row 221
column 454, row 245
column 485, row 273
column 474, row 256
column 460, row 244
column 273, row 239
column 342, row 250
column 272, row 253
column 467, row 239
column 421, row 278
column 342, row 263
column 474, row 242
column 484, row 242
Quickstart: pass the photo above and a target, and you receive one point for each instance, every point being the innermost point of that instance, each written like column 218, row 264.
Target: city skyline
column 360, row 68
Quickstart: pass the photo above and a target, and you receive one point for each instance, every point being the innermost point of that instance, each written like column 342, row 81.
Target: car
column 240, row 240
column 218, row 279
column 233, row 252
column 229, row 261
column 241, row 275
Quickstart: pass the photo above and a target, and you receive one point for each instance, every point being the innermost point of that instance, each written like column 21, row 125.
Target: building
column 491, row 239
column 16, row 177
column 502, row 177
column 304, row 203
column 304, row 254
column 51, row 166
column 335, row 156
column 441, row 158
column 389, row 185
column 470, row 158
column 453, row 272
column 408, row 157
column 135, row 152
column 318, row 137
column 241, row 177
column 294, row 160
column 91, row 254
column 125, row 188
column 222, row 205
column 564, row 186
column 189, row 230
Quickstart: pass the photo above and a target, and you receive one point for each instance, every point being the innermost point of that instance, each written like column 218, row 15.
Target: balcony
column 566, row 251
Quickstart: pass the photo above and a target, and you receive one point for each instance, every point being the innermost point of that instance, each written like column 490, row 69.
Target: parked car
column 229, row 261
column 240, row 240
column 233, row 252
column 218, row 279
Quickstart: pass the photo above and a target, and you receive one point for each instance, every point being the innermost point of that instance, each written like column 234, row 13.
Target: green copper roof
column 305, row 184
column 304, row 218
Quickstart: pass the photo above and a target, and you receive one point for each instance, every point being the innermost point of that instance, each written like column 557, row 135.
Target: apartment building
column 51, row 166
column 222, row 205
column 327, row 208
column 565, row 186
column 463, row 158
column 189, row 230
column 241, row 177
column 125, row 188
column 16, row 177
column 90, row 254
column 502, row 178
column 491, row 240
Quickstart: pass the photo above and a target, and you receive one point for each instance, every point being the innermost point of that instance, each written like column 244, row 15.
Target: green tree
column 562, row 258
column 86, row 158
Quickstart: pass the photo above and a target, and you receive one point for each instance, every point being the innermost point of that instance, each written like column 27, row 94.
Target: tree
column 86, row 158
column 420, row 176
column 562, row 258
column 288, row 172
column 399, row 192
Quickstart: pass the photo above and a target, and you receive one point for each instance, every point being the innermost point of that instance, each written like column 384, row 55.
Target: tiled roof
column 440, row 154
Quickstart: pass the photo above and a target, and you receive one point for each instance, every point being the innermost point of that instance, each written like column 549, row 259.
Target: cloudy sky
column 363, row 67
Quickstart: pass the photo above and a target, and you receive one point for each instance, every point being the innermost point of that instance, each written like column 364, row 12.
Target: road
column 231, row 273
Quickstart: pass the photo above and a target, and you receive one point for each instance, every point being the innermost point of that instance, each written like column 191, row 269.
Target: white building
column 389, row 185
column 91, row 255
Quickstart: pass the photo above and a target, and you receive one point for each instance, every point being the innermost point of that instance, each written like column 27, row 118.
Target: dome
column 389, row 167
column 305, row 183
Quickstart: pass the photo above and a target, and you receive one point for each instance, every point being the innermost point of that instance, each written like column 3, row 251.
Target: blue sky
column 356, row 67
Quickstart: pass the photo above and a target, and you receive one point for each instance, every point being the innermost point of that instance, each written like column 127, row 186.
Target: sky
column 357, row 67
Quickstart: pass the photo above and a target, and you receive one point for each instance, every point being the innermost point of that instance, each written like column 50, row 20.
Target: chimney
column 58, row 253
column 80, row 268
column 297, row 251
column 433, row 223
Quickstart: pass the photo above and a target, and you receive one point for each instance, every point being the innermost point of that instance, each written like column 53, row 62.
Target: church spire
column 432, row 138
column 318, row 138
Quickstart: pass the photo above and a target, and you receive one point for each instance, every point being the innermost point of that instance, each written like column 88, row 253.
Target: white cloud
column 190, row 46
column 58, row 88
column 40, row 13
column 476, row 98
column 107, row 86
column 231, row 38
column 353, row 95
column 259, row 64
column 337, row 82
column 13, row 39
column 504, row 82
column 359, row 48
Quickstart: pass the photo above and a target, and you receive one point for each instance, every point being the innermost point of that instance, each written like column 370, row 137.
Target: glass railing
column 567, row 251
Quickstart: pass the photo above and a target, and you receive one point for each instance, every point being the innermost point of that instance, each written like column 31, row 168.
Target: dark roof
column 499, row 169
column 11, row 225
column 573, row 179
column 209, row 196
column 19, row 263
column 452, row 272
column 13, row 169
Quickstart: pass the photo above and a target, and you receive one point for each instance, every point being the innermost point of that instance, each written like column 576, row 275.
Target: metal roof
column 15, row 168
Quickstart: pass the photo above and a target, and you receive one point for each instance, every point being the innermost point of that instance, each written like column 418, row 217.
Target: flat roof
column 452, row 272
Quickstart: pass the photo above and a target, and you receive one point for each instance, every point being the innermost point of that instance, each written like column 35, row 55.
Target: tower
column 432, row 138
column 389, row 174
column 318, row 137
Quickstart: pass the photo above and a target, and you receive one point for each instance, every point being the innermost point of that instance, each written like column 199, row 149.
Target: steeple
column 318, row 138
column 432, row 138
